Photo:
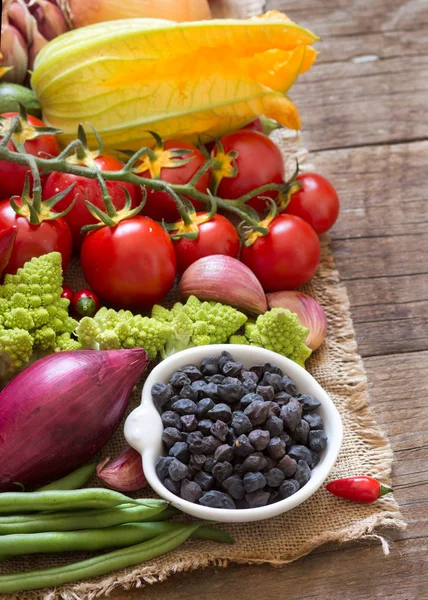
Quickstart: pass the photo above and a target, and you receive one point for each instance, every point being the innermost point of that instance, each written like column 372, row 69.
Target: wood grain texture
column 363, row 110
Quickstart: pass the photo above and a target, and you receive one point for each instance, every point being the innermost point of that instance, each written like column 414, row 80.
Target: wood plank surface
column 364, row 114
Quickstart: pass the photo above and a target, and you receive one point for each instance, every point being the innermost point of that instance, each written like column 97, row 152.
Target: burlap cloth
column 323, row 518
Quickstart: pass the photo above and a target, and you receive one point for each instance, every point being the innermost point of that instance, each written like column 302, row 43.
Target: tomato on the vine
column 85, row 303
column 88, row 189
column 285, row 258
column 35, row 142
column 259, row 162
column 215, row 236
column 316, row 202
column 34, row 240
column 160, row 205
column 131, row 265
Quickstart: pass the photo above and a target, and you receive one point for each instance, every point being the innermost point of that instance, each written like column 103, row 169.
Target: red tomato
column 85, row 303
column 160, row 205
column 216, row 236
column 35, row 240
column 286, row 257
column 12, row 176
column 259, row 162
column 131, row 265
column 67, row 292
column 316, row 202
column 87, row 189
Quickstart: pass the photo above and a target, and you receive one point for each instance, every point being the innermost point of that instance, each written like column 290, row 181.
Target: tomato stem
column 59, row 164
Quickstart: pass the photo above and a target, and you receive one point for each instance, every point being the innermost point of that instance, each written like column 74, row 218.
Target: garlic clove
column 125, row 473
column 224, row 279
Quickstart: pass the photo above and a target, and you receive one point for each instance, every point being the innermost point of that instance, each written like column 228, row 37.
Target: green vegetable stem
column 99, row 565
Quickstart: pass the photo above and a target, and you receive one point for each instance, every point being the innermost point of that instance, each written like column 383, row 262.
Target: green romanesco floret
column 239, row 339
column 280, row 330
column 112, row 330
column 181, row 334
column 16, row 348
column 221, row 321
column 109, row 340
column 33, row 316
column 87, row 332
column 65, row 343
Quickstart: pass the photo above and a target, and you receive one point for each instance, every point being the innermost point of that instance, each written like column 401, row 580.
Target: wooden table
column 364, row 109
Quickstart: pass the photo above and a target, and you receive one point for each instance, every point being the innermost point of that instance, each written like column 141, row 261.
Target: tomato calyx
column 292, row 186
column 223, row 165
column 250, row 233
column 33, row 208
column 82, row 156
column 112, row 217
column 188, row 226
column 18, row 130
column 155, row 159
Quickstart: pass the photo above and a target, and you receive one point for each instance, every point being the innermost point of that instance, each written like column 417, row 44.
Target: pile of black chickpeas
column 236, row 437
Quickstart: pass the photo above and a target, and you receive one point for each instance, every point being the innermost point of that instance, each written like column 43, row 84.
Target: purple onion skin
column 62, row 410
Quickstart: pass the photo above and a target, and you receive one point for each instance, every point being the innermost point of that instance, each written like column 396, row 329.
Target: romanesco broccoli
column 166, row 332
column 112, row 330
column 280, row 330
column 198, row 323
column 239, row 339
column 33, row 316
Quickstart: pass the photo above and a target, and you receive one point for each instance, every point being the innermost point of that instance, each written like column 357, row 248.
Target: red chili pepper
column 359, row 489
column 85, row 303
column 7, row 240
column 67, row 292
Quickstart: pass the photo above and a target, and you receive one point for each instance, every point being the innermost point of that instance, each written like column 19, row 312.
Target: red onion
column 226, row 280
column 62, row 410
column 125, row 473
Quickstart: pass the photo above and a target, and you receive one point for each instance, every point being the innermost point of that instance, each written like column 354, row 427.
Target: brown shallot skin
column 61, row 411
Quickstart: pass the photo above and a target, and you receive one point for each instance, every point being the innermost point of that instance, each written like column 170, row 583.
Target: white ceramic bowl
column 143, row 430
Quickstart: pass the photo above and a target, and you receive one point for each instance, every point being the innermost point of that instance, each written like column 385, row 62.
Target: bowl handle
column 143, row 428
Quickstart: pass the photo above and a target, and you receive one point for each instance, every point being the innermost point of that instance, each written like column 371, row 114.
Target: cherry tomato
column 160, row 205
column 286, row 257
column 35, row 240
column 316, row 202
column 216, row 236
column 87, row 189
column 131, row 265
column 85, row 303
column 259, row 162
column 12, row 176
column 67, row 292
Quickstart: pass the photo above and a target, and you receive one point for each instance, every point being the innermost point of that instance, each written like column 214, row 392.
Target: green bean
column 166, row 514
column 17, row 502
column 84, row 519
column 99, row 565
column 96, row 539
column 73, row 480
